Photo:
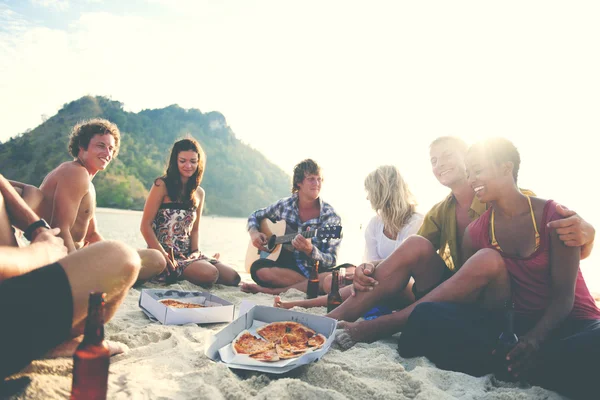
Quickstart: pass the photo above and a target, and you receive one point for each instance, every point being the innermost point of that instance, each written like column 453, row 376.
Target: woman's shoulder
column 374, row 222
column 160, row 182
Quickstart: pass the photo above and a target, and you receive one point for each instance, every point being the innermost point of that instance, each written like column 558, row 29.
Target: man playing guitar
column 303, row 210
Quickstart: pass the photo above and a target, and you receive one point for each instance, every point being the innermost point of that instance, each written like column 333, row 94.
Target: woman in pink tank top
column 511, row 256
column 545, row 280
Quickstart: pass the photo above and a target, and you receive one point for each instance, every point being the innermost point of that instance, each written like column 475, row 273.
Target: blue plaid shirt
column 287, row 209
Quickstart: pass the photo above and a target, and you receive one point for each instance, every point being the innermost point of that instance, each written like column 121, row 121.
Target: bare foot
column 282, row 304
column 67, row 349
column 254, row 288
column 350, row 333
column 217, row 256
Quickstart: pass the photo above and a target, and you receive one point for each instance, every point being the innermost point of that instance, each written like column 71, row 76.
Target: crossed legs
column 483, row 279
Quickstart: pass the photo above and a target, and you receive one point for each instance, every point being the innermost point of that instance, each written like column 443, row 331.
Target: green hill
column 237, row 180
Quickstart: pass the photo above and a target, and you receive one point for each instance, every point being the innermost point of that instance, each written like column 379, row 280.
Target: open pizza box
column 215, row 309
column 219, row 346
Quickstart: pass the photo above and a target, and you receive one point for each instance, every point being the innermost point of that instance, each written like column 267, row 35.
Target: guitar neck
column 288, row 238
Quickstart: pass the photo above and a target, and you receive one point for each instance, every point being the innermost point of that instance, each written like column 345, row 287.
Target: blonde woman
column 396, row 219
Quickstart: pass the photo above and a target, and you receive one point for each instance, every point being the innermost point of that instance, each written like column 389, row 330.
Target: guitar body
column 278, row 239
column 271, row 230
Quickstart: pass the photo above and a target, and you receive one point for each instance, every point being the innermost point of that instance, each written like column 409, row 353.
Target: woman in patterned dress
column 171, row 220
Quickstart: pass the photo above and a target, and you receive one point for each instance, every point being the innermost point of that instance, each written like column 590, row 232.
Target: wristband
column 31, row 228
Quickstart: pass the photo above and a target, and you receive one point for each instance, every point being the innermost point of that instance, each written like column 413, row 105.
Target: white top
column 378, row 246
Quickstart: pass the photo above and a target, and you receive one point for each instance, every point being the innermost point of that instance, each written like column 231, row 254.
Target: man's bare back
column 62, row 188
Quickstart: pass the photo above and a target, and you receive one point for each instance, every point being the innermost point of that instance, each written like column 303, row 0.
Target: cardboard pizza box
column 219, row 346
column 215, row 310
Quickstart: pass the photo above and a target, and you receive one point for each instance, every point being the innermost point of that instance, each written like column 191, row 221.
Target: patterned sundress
column 173, row 228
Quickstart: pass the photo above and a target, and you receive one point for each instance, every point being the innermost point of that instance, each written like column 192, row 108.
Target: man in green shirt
column 432, row 256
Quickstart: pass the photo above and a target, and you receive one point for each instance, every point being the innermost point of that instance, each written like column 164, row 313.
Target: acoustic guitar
column 277, row 238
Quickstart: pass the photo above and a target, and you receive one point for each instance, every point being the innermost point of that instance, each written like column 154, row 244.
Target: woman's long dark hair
column 177, row 193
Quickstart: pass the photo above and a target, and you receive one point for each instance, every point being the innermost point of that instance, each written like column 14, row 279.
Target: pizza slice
column 274, row 331
column 291, row 343
column 286, row 354
column 269, row 355
column 247, row 343
column 180, row 304
column 317, row 341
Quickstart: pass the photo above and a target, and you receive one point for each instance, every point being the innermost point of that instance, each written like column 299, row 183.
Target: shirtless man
column 68, row 196
column 38, row 327
column 432, row 256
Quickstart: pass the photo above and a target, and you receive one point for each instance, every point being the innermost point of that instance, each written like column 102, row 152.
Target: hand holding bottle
column 522, row 357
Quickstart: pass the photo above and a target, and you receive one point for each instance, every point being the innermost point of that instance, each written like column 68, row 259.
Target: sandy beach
column 168, row 362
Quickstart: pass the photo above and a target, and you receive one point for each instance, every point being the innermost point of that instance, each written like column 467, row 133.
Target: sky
column 352, row 84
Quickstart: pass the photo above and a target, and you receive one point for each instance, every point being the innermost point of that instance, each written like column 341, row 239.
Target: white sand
column 168, row 362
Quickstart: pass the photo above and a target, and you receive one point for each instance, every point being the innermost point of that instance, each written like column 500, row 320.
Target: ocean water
column 228, row 236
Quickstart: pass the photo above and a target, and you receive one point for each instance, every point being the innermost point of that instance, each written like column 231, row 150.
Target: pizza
column 279, row 341
column 247, row 343
column 180, row 304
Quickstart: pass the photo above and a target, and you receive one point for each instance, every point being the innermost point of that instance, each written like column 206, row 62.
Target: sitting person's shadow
column 13, row 387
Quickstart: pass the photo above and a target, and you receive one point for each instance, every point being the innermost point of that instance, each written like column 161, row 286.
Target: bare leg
column 227, row 275
column 153, row 263
column 31, row 194
column 201, row 272
column 7, row 236
column 107, row 266
column 320, row 301
column 300, row 284
column 483, row 278
column 406, row 298
column 415, row 257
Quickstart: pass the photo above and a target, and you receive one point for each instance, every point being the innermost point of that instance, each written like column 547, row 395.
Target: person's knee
column 265, row 274
column 236, row 279
column 124, row 259
column 211, row 274
column 420, row 246
column 152, row 261
column 490, row 261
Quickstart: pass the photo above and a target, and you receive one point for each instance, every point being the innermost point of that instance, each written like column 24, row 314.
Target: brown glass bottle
column 312, row 288
column 92, row 357
column 334, row 298
column 506, row 342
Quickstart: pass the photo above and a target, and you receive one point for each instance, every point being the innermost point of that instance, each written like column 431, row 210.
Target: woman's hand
column 522, row 357
column 170, row 263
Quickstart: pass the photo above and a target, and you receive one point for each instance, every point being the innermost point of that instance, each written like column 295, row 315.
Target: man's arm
column 45, row 249
column 92, row 235
column 73, row 185
column 574, row 231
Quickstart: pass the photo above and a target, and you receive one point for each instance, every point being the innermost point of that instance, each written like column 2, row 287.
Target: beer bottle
column 312, row 288
column 92, row 357
column 334, row 298
column 506, row 342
